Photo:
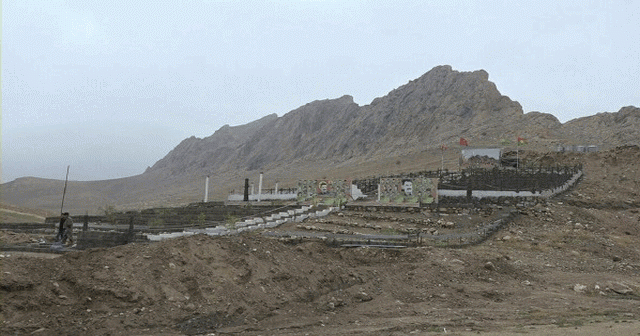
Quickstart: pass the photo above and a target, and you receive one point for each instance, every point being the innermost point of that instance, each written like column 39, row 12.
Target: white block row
column 272, row 221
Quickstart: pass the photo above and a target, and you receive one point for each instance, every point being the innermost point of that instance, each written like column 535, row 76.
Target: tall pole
column 206, row 189
column 442, row 148
column 64, row 192
column 260, row 187
column 518, row 156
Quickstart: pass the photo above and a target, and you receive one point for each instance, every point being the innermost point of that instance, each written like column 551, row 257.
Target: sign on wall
column 326, row 189
column 408, row 190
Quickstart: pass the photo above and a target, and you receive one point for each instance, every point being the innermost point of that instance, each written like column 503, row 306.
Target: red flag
column 464, row 142
column 521, row 141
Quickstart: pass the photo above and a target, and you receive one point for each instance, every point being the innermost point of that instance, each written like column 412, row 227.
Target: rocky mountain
column 609, row 129
column 194, row 154
column 436, row 108
column 410, row 122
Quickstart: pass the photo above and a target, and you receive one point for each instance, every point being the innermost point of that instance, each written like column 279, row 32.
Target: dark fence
column 120, row 228
column 534, row 179
column 168, row 219
column 499, row 179
column 91, row 239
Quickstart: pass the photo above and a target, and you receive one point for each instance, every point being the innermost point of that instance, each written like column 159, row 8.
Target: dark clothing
column 68, row 230
column 60, row 229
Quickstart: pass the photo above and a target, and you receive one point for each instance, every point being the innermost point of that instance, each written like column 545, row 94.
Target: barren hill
column 436, row 108
column 337, row 138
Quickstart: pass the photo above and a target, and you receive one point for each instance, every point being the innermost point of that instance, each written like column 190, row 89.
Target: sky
column 110, row 87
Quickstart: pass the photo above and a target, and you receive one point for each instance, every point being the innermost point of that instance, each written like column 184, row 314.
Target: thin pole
column 260, row 187
column 64, row 192
column 517, row 156
column 206, row 189
column 442, row 149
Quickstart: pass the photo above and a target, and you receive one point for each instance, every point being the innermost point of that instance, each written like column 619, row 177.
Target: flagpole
column 517, row 156
column 64, row 192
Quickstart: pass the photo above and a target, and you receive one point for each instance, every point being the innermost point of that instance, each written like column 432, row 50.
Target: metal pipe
column 260, row 187
column 246, row 189
column 206, row 190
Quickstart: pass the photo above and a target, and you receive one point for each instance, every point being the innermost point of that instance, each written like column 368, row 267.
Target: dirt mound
column 611, row 178
column 254, row 285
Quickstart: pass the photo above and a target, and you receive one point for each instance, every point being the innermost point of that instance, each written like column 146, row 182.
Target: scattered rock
column 363, row 297
column 578, row 288
column 489, row 266
column 619, row 288
column 335, row 303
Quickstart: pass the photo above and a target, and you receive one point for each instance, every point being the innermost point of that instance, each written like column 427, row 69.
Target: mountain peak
column 435, row 109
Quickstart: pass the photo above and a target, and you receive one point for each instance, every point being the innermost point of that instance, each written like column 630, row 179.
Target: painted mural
column 328, row 191
column 408, row 190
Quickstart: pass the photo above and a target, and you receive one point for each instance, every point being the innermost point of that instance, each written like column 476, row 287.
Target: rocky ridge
column 314, row 140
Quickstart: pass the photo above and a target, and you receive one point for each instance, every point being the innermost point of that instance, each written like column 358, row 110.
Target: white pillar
column 276, row 191
column 379, row 190
column 260, row 187
column 206, row 190
column 253, row 189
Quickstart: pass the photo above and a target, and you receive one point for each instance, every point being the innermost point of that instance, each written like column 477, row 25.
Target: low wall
column 93, row 239
column 480, row 194
column 192, row 215
column 564, row 187
column 258, row 222
column 263, row 197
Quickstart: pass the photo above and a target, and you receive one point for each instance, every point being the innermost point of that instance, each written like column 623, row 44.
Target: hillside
column 401, row 131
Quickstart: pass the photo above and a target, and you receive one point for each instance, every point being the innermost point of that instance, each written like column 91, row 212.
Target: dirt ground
column 566, row 267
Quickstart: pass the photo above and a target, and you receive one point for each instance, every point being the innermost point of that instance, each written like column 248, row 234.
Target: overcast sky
column 110, row 87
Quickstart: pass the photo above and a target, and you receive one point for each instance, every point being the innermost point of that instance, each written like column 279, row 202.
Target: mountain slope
column 337, row 138
column 620, row 128
column 435, row 108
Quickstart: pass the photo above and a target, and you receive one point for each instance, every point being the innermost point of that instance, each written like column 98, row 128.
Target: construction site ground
column 568, row 266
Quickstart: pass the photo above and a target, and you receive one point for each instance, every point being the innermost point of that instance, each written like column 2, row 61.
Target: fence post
column 130, row 233
column 85, row 225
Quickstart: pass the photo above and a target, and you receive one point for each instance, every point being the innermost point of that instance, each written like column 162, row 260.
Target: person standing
column 68, row 228
column 60, row 228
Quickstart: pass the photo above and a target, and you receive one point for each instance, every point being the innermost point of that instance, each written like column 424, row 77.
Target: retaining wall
column 254, row 223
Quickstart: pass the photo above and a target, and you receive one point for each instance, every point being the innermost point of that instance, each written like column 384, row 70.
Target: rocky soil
column 564, row 266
